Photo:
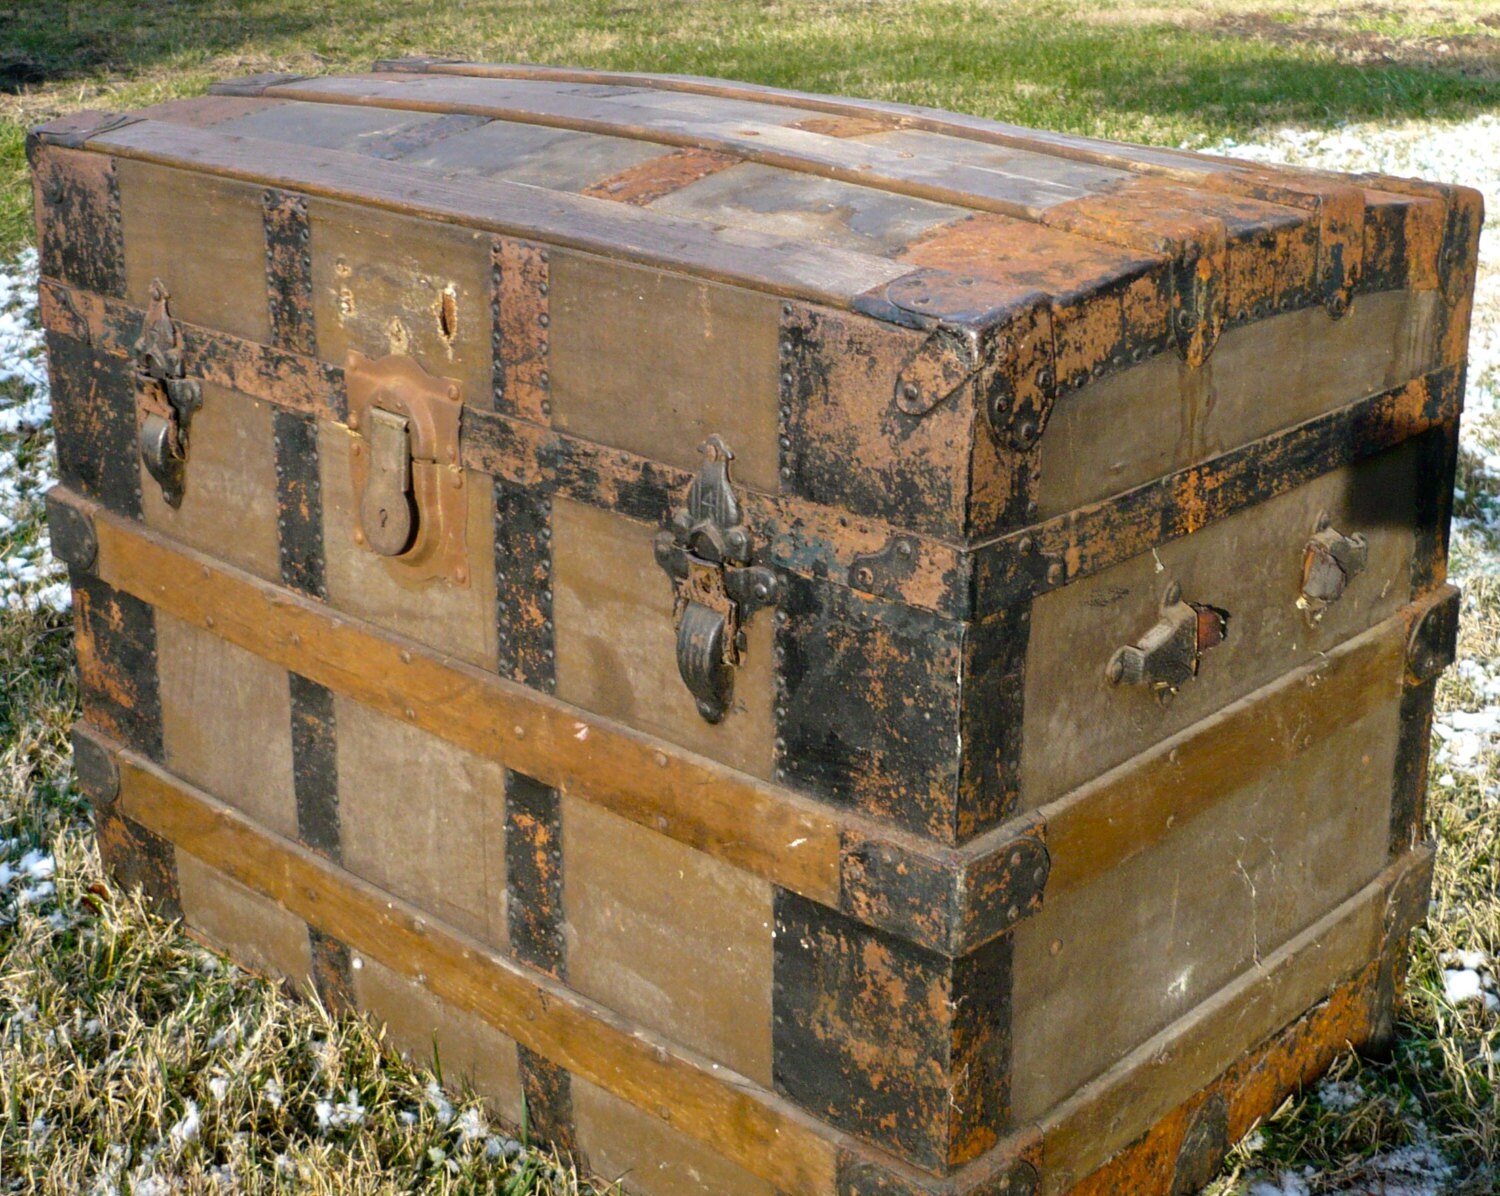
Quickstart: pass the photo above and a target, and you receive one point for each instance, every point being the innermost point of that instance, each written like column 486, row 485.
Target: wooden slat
column 1121, row 156
column 740, row 1120
column 781, row 145
column 795, row 269
column 1098, row 826
column 766, row 830
column 1085, row 1131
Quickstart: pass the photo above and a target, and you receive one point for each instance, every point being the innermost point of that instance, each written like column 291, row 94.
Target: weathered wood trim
column 744, row 821
column 800, row 269
column 1092, row 538
column 755, row 1129
column 1105, row 1116
column 950, row 900
column 1095, row 828
column 1175, row 1155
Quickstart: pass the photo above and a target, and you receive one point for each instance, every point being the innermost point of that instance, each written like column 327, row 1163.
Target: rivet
column 786, row 379
column 911, row 392
column 405, row 656
column 543, row 289
column 786, row 471
column 1015, row 859
column 208, row 621
column 296, row 640
column 544, row 319
column 461, row 574
column 546, row 407
column 1012, row 913
column 1056, row 947
column 520, row 732
column 903, row 548
column 661, row 759
column 544, row 380
column 1024, row 545
column 1054, row 574
column 410, row 713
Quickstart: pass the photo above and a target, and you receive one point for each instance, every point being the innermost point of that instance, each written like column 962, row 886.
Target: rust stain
column 657, row 178
column 845, row 126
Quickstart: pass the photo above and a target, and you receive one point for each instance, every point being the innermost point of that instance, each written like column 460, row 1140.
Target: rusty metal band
column 1089, row 539
column 289, row 286
column 772, row 1139
column 812, row 540
column 949, row 900
column 1323, row 969
column 535, row 917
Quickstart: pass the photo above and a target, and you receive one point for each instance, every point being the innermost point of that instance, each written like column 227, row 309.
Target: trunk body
column 823, row 647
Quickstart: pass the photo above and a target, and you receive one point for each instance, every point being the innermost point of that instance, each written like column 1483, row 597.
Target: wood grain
column 744, row 1123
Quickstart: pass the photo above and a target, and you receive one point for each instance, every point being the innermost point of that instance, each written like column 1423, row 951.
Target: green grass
column 1112, row 69
column 175, row 1026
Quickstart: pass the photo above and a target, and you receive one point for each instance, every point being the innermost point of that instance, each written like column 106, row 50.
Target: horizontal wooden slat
column 756, row 1129
column 771, row 144
column 759, row 827
column 796, row 269
column 1121, row 156
column 1099, row 825
column 1085, row 1131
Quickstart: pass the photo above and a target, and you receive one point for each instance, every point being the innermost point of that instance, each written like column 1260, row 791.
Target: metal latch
column 404, row 463
column 1170, row 652
column 388, row 513
column 165, row 400
column 717, row 589
column 1330, row 561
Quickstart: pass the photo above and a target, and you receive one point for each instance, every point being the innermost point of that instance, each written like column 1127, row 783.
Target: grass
column 114, row 1030
column 1106, row 67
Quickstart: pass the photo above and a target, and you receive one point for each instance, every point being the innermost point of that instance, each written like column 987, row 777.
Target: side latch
column 707, row 554
column 165, row 399
column 1330, row 562
column 1169, row 654
column 404, row 462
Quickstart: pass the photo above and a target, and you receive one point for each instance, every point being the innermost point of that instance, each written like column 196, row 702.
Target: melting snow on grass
column 28, row 574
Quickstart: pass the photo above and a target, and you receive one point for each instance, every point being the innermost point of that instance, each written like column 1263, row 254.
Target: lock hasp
column 404, row 464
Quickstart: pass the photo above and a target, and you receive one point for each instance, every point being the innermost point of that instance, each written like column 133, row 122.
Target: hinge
column 716, row 589
column 165, row 399
column 409, row 484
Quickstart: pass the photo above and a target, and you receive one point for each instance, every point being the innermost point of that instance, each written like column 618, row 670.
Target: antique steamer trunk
column 819, row 647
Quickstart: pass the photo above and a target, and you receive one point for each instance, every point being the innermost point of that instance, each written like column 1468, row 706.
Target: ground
column 132, row 1060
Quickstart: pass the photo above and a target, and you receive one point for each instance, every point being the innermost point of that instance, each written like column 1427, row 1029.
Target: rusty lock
column 165, row 399
column 1169, row 653
column 1330, row 561
column 404, row 464
column 716, row 589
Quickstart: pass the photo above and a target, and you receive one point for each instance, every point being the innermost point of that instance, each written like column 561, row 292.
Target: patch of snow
column 442, row 1107
column 187, row 1129
column 339, row 1115
column 1340, row 1095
